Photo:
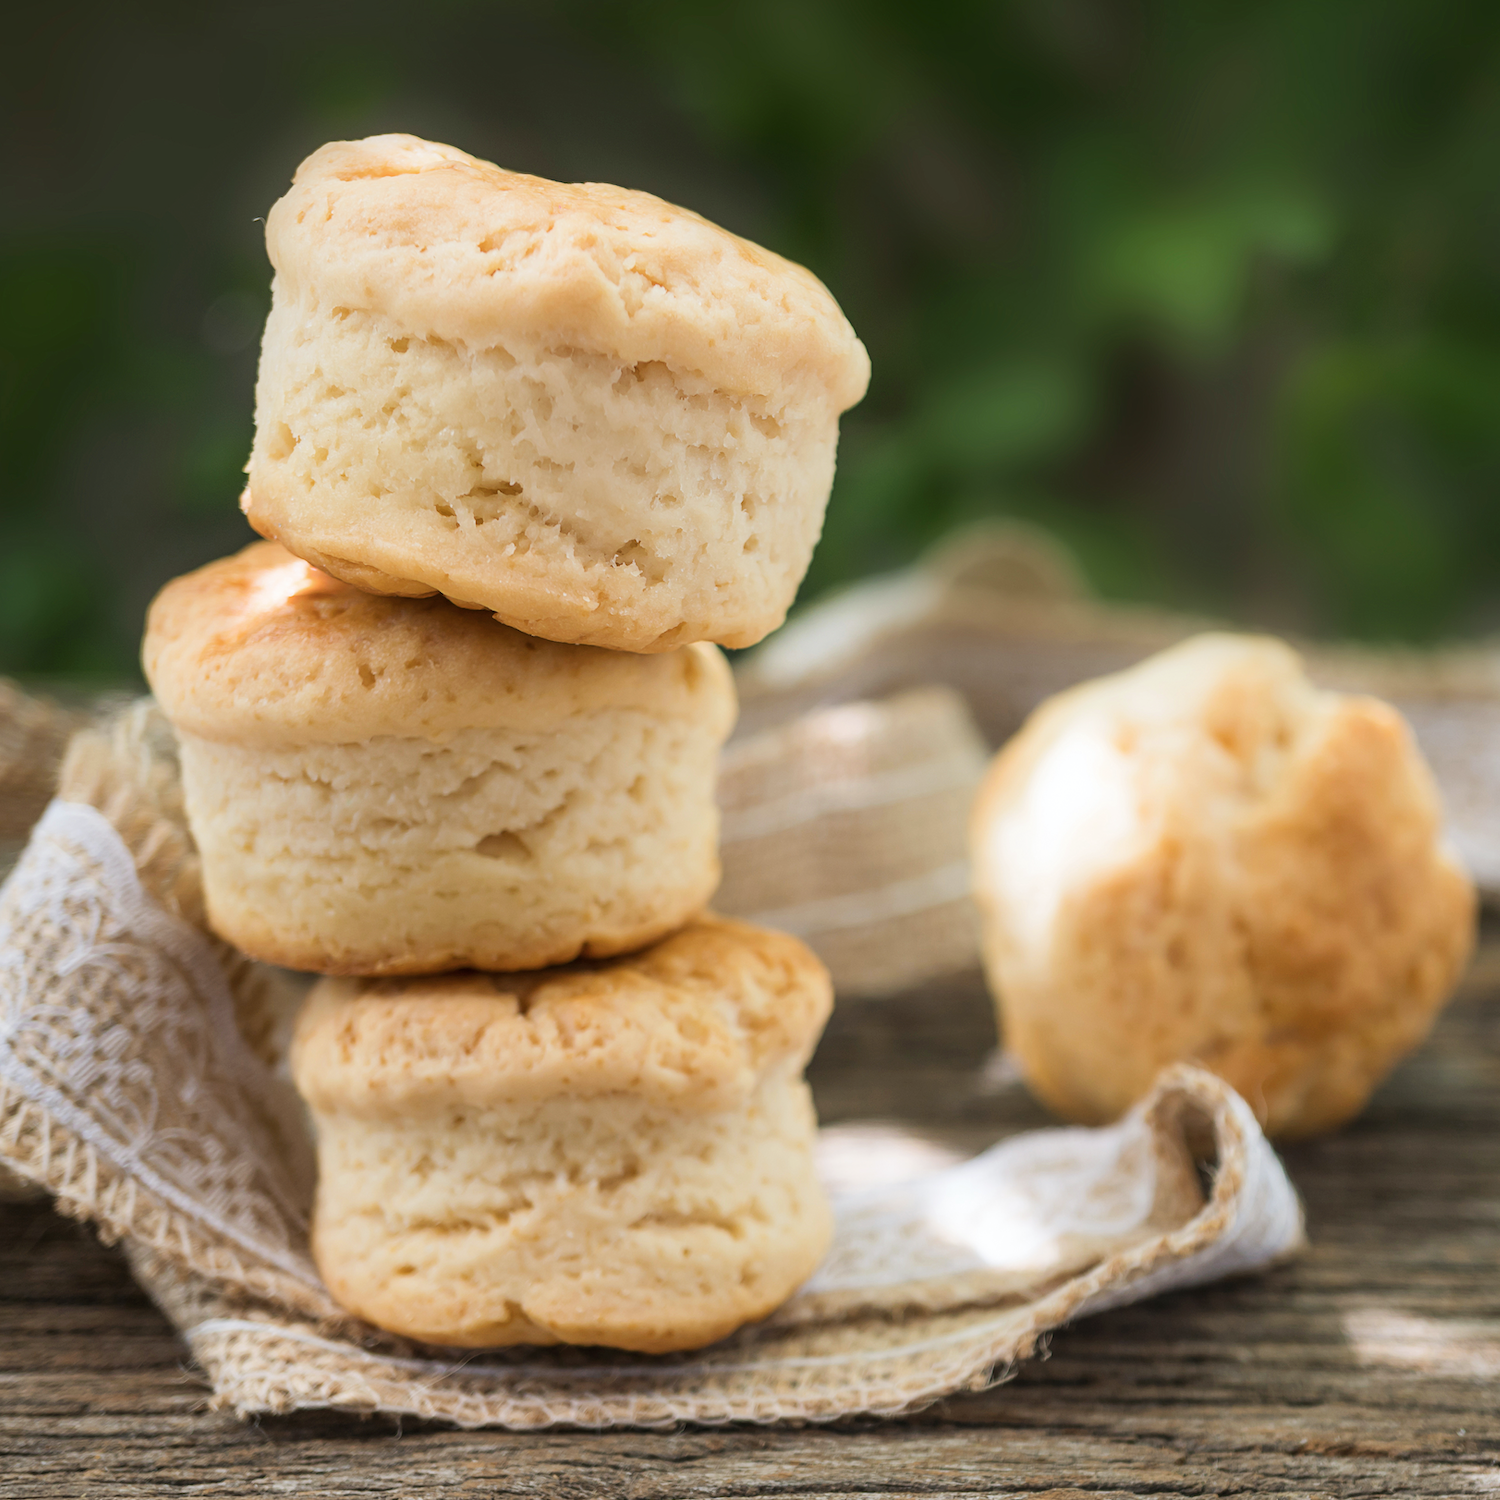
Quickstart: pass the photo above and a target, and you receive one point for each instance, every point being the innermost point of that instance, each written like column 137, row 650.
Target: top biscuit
column 434, row 238
column 596, row 415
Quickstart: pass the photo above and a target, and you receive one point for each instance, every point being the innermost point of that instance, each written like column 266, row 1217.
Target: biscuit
column 396, row 786
column 618, row 1153
column 1207, row 859
column 594, row 414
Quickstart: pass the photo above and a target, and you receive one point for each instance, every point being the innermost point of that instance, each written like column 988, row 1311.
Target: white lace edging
column 87, row 1015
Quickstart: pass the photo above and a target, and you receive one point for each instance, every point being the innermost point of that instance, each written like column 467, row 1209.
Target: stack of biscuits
column 449, row 737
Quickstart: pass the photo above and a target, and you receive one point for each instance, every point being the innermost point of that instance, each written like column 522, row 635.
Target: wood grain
column 1370, row 1367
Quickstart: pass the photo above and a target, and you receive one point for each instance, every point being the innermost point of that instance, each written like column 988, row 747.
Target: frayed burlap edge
column 882, row 1363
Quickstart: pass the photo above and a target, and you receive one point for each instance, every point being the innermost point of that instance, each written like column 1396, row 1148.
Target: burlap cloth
column 848, row 827
column 137, row 1085
column 866, row 725
column 998, row 615
column 34, row 733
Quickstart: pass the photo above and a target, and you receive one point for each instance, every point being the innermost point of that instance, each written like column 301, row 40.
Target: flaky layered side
column 592, row 413
column 620, row 1224
column 1207, row 859
column 618, row 1153
column 393, row 786
column 493, row 850
column 632, row 506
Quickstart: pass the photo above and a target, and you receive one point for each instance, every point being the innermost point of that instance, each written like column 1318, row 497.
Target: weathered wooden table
column 1368, row 1367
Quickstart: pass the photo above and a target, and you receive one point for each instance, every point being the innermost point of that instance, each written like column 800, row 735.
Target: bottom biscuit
column 617, row 1153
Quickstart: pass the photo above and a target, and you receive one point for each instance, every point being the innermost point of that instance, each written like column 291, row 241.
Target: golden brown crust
column 456, row 248
column 262, row 648
column 1207, row 859
column 694, row 1021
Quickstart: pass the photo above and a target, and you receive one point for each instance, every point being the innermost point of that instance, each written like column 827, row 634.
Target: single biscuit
column 615, row 1154
column 1206, row 858
column 396, row 786
column 595, row 414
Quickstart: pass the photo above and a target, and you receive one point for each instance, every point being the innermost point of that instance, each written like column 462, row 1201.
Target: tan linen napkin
column 849, row 828
column 998, row 614
column 129, row 1090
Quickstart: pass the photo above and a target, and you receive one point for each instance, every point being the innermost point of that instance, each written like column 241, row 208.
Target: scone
column 397, row 786
column 1206, row 858
column 597, row 415
column 617, row 1153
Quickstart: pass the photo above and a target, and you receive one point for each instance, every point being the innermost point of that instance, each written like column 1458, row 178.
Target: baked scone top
column 455, row 248
column 1214, row 722
column 693, row 1022
column 1210, row 737
column 262, row 648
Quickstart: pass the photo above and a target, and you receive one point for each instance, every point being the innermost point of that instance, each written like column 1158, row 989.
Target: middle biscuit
column 398, row 786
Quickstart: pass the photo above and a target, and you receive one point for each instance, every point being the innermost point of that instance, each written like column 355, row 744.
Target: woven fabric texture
column 849, row 828
column 998, row 615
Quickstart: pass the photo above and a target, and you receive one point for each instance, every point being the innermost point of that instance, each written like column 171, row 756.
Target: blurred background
column 1211, row 291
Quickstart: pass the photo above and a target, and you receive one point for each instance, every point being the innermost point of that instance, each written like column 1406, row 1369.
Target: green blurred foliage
column 1211, row 290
